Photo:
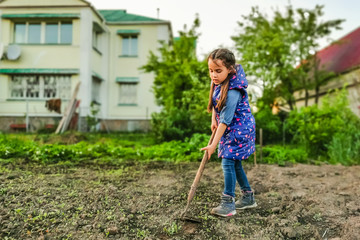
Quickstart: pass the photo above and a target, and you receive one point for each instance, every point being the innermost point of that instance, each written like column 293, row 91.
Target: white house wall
column 86, row 62
column 129, row 67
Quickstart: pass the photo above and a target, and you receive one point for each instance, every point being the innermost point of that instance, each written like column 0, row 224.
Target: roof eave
column 139, row 23
column 352, row 68
column 59, row 6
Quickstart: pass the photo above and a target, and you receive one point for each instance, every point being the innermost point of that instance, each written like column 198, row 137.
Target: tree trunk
column 291, row 95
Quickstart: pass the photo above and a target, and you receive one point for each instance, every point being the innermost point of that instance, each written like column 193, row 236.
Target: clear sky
column 219, row 18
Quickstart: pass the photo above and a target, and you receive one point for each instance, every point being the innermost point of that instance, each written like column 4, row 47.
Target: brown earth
column 145, row 202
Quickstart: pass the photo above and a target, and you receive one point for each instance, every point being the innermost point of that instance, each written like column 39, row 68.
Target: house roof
column 343, row 55
column 120, row 16
column 49, row 3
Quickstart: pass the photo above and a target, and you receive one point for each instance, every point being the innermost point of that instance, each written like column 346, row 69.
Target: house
column 342, row 58
column 48, row 46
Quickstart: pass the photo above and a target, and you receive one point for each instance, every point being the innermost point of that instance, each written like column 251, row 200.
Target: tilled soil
column 145, row 202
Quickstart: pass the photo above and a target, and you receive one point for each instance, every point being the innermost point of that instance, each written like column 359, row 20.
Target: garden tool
column 197, row 180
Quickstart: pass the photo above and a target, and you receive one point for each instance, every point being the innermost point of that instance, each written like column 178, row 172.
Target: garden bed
column 144, row 201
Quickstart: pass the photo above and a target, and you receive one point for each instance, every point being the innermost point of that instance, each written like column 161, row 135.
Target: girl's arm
column 214, row 124
column 219, row 132
column 226, row 116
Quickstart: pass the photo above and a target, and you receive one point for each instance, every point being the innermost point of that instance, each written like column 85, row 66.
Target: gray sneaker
column 247, row 201
column 226, row 207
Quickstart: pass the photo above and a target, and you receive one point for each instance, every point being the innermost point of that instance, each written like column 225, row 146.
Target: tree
column 271, row 50
column 265, row 50
column 181, row 87
column 308, row 31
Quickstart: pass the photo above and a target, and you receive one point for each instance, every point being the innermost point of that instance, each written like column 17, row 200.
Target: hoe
column 196, row 182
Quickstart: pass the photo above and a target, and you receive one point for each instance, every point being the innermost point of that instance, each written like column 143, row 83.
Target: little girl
column 235, row 128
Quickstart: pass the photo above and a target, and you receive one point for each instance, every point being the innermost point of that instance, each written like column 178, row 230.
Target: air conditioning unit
column 11, row 52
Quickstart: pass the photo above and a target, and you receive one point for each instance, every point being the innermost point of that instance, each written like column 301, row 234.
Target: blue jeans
column 233, row 171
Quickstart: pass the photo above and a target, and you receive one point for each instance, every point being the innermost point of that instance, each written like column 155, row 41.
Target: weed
column 3, row 191
column 273, row 194
column 317, row 217
column 172, row 229
column 18, row 211
column 4, row 170
column 142, row 233
column 205, row 217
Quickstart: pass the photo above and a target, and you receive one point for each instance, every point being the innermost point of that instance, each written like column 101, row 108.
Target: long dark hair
column 228, row 59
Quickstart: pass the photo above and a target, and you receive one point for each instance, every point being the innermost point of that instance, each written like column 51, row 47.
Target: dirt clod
column 112, row 230
column 276, row 209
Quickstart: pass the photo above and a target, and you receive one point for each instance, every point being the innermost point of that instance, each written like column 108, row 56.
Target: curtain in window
column 128, row 93
column 134, row 46
column 17, row 87
column 32, row 87
column 126, row 46
column 40, row 86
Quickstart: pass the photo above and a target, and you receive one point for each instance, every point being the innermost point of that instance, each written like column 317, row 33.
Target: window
column 96, row 40
column 66, row 33
column 32, row 87
column 50, row 87
column 96, row 37
column 40, row 86
column 95, row 90
column 127, row 93
column 51, row 33
column 34, row 33
column 129, row 41
column 20, row 32
column 129, row 45
column 43, row 32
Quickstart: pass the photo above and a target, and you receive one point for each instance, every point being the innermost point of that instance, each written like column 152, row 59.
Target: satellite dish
column 1, row 50
column 13, row 52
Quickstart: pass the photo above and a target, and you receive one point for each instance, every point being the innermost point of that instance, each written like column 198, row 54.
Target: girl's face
column 217, row 70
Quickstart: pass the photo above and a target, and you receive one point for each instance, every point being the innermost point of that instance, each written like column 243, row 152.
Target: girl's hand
column 210, row 150
column 214, row 125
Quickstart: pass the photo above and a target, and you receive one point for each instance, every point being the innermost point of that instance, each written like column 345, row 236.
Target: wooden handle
column 200, row 170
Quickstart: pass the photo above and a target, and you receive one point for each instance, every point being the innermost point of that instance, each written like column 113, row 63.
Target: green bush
column 171, row 125
column 281, row 154
column 181, row 88
column 344, row 147
column 271, row 125
column 327, row 131
column 105, row 150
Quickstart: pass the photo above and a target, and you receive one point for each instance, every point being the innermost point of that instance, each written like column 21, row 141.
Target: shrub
column 344, row 147
column 271, row 125
column 330, row 130
column 181, row 88
column 281, row 154
column 107, row 150
column 172, row 125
